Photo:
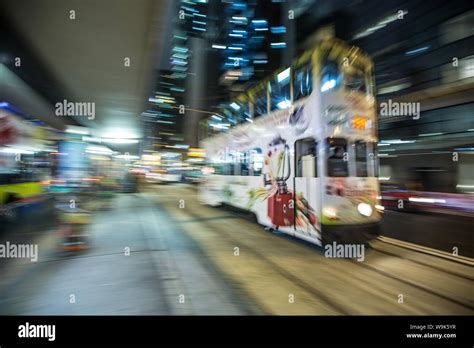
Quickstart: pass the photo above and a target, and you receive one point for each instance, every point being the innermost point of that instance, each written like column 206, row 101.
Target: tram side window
column 303, row 81
column 306, row 151
column 373, row 160
column 244, row 164
column 337, row 157
column 218, row 168
column 260, row 103
column 361, row 158
column 280, row 91
column 237, row 165
column 256, row 161
column 228, row 168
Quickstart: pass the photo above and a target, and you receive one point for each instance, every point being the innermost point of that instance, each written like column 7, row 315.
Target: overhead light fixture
column 99, row 150
column 180, row 146
column 278, row 44
column 381, row 24
column 398, row 141
column 393, row 88
column 77, row 130
column 426, row 200
column 429, row 134
column 278, row 30
column 119, row 141
column 16, row 151
column 417, row 51
column 91, row 139
column 127, row 157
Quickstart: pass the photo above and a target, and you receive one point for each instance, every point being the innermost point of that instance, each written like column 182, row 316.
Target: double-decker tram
column 299, row 148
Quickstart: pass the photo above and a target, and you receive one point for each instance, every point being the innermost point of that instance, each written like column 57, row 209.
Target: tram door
column 307, row 196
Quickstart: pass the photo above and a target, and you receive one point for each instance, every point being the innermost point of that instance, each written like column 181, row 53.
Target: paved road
column 190, row 249
column 438, row 231
column 272, row 268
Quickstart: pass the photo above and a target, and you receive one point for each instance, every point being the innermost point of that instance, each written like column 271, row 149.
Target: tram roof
column 334, row 47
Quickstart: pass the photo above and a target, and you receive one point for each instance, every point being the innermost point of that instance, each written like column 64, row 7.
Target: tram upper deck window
column 260, row 103
column 303, row 81
column 330, row 76
column 240, row 111
column 361, row 155
column 280, row 91
column 337, row 157
column 229, row 116
column 354, row 80
column 245, row 114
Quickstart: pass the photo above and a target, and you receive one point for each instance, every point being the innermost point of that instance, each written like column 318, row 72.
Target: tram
column 299, row 149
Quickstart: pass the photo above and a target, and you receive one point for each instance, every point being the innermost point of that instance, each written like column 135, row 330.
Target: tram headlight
column 365, row 209
column 330, row 213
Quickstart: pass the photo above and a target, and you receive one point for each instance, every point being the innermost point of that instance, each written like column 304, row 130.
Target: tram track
column 214, row 226
column 467, row 261
column 301, row 283
column 414, row 285
column 419, row 286
column 425, row 264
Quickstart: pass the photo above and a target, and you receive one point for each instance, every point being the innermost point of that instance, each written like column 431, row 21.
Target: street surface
column 187, row 258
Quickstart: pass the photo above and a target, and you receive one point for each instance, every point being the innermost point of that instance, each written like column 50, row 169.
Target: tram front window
column 337, row 157
column 354, row 80
column 361, row 158
column 372, row 160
